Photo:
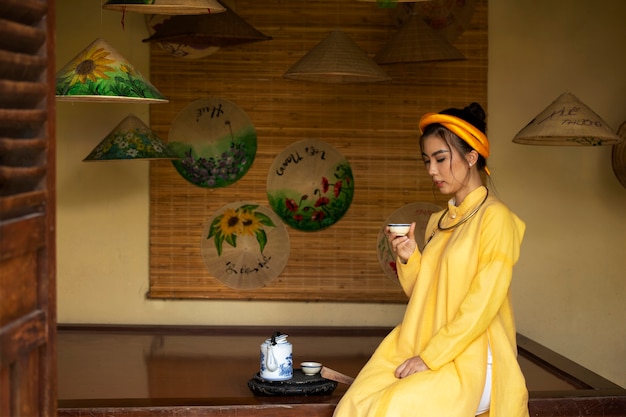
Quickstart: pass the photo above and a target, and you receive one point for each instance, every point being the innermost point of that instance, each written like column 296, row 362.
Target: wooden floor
column 112, row 368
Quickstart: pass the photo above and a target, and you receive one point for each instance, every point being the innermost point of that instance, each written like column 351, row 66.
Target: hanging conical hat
column 449, row 18
column 130, row 139
column 178, row 49
column 223, row 29
column 415, row 41
column 418, row 212
column 336, row 59
column 245, row 245
column 567, row 121
column 99, row 73
column 619, row 156
column 310, row 185
column 169, row 7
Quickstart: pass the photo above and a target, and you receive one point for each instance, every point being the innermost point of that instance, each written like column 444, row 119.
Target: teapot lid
column 277, row 337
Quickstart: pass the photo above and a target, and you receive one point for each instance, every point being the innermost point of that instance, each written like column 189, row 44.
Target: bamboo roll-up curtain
column 374, row 125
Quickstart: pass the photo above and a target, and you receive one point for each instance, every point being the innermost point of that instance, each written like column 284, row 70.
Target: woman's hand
column 411, row 366
column 403, row 246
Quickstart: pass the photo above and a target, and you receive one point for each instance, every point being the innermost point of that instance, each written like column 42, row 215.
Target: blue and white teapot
column 276, row 358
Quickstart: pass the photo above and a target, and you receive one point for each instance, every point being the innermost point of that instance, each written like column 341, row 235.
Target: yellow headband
column 466, row 131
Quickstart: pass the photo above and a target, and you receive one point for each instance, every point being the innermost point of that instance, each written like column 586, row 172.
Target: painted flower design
column 320, row 209
column 91, row 64
column 99, row 71
column 216, row 171
column 245, row 220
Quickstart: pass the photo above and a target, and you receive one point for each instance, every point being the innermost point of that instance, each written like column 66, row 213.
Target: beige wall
column 569, row 286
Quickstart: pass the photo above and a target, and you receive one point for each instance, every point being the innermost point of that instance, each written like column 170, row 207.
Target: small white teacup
column 400, row 229
column 311, row 368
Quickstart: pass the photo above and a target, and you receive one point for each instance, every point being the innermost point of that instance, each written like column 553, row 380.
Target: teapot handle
column 271, row 363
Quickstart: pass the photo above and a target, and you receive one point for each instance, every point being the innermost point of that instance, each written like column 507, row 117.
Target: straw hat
column 336, row 59
column 415, row 41
column 177, row 49
column 223, row 29
column 245, row 245
column 619, row 156
column 169, row 7
column 567, row 122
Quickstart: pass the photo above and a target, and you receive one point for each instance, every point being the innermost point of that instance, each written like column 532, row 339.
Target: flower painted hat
column 310, row 185
column 215, row 140
column 100, row 74
column 245, row 245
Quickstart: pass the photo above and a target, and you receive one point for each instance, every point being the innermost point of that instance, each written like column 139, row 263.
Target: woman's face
column 447, row 167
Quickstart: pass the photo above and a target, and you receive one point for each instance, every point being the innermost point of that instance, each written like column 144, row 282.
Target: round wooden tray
column 300, row 384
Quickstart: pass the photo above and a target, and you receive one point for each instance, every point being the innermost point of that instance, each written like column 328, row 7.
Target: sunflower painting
column 243, row 221
column 245, row 245
column 100, row 73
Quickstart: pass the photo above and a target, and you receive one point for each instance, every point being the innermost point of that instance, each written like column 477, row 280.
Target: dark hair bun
column 473, row 114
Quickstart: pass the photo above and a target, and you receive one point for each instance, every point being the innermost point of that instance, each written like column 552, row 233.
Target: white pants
column 485, row 400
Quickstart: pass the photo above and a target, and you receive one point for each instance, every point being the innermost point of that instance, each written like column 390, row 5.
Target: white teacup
column 311, row 368
column 400, row 229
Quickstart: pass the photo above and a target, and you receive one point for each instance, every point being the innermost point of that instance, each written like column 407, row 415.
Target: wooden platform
column 203, row 371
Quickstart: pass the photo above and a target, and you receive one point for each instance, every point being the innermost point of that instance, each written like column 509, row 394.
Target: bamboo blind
column 373, row 125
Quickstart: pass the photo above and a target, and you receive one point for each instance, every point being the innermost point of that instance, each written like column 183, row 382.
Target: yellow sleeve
column 407, row 273
column 500, row 238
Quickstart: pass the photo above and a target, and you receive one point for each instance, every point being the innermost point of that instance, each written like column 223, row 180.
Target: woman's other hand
column 403, row 246
column 411, row 366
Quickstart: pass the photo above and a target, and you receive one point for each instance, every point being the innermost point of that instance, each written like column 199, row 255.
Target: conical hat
column 310, row 185
column 169, row 7
column 415, row 41
column 177, row 49
column 131, row 139
column 448, row 18
column 567, row 121
column 418, row 212
column 223, row 29
column 619, row 156
column 215, row 140
column 100, row 74
column 336, row 59
column 245, row 245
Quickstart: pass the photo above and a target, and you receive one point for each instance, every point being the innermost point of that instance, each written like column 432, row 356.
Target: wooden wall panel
column 373, row 125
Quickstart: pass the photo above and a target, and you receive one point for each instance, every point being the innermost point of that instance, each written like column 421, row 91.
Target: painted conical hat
column 100, row 74
column 216, row 141
column 618, row 156
column 418, row 212
column 310, row 185
column 245, row 245
column 222, row 29
column 449, row 18
column 131, row 139
column 178, row 49
column 567, row 122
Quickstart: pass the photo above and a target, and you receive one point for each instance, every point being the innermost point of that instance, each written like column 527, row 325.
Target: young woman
column 455, row 352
